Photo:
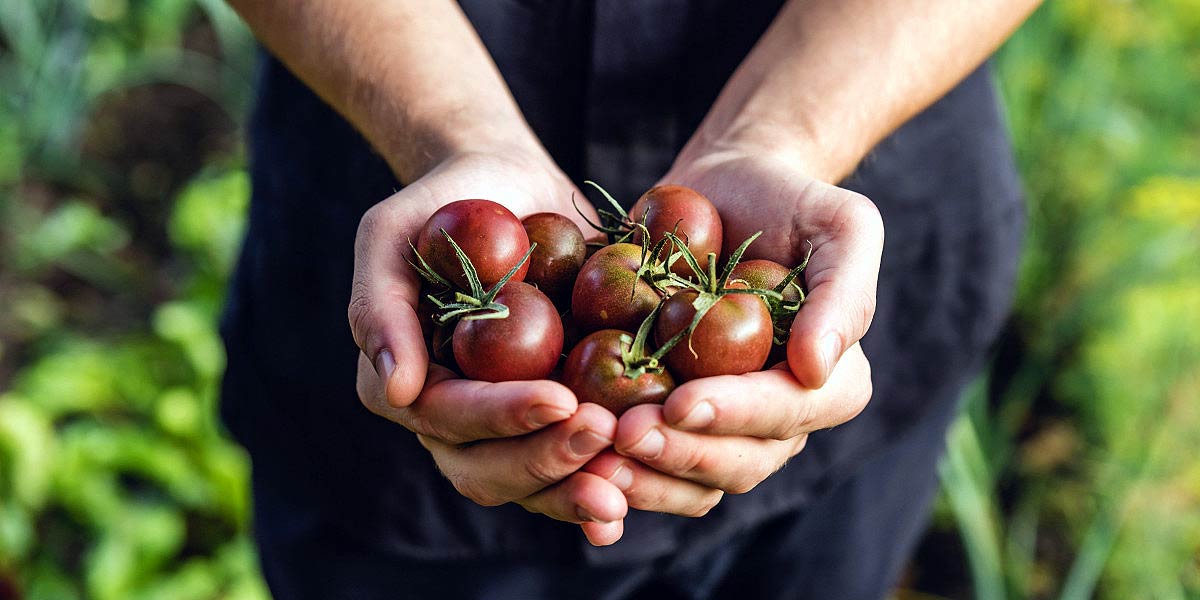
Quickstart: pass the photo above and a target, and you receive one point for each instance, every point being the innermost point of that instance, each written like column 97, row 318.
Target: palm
column 531, row 437
column 793, row 210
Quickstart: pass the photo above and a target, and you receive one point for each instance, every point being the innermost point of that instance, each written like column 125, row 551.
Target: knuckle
column 743, row 484
column 417, row 422
column 368, row 224
column 801, row 443
column 477, row 493
column 691, row 461
column 865, row 214
column 358, row 312
column 749, row 478
column 541, row 473
column 657, row 498
column 803, row 418
column 707, row 503
column 510, row 421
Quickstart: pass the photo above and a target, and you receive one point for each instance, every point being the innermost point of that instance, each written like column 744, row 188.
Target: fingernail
column 831, row 351
column 544, row 414
column 586, row 516
column 622, row 478
column 650, row 446
column 385, row 364
column 701, row 415
column 587, row 443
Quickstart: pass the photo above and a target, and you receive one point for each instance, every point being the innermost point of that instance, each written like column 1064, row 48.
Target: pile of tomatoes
column 643, row 306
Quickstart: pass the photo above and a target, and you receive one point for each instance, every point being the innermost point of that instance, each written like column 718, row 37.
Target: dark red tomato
column 734, row 337
column 441, row 346
column 525, row 345
column 491, row 236
column 559, row 253
column 595, row 371
column 609, row 294
column 699, row 225
column 765, row 275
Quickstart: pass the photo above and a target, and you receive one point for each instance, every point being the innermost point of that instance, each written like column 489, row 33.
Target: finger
column 603, row 534
column 772, row 403
column 647, row 489
column 579, row 498
column 456, row 411
column 847, row 236
column 497, row 471
column 383, row 295
column 734, row 464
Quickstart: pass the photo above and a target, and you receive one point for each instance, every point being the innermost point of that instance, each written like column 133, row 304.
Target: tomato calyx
column 633, row 350
column 474, row 303
column 657, row 271
column 712, row 286
column 783, row 310
column 615, row 224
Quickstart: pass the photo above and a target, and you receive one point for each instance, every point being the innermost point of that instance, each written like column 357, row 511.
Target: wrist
column 420, row 147
column 792, row 143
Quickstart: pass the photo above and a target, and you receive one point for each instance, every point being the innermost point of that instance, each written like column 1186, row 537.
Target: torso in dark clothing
column 614, row 90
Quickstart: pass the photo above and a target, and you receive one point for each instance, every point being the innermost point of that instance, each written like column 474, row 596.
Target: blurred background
column 1072, row 473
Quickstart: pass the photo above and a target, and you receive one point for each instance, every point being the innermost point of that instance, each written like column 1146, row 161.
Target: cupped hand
column 727, row 434
column 520, row 441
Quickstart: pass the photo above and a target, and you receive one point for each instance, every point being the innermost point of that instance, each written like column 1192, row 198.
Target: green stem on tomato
column 476, row 303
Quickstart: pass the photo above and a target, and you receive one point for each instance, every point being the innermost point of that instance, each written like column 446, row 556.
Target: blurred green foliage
column 1072, row 473
column 122, row 195
column 115, row 479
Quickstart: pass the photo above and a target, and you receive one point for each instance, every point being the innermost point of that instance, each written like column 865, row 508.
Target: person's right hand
column 519, row 441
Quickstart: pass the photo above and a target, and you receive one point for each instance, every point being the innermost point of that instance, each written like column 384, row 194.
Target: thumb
column 382, row 316
column 842, row 278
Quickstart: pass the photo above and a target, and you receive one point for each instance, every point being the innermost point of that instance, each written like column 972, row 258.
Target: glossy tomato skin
column 526, row 345
column 491, row 236
column 699, row 224
column 765, row 275
column 734, row 337
column 608, row 293
column 595, row 372
column 559, row 254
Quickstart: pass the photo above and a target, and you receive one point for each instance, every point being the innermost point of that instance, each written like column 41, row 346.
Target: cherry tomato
column 765, row 275
column 559, row 254
column 608, row 293
column 732, row 338
column 683, row 211
column 596, row 371
column 524, row 345
column 490, row 235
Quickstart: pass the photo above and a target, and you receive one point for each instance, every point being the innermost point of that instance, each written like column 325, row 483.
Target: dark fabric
column 613, row 89
column 850, row 544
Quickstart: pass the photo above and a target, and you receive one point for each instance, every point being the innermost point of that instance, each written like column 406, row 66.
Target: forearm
column 411, row 75
column 830, row 78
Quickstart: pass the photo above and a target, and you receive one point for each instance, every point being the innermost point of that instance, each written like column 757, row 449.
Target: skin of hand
column 729, row 433
column 824, row 84
column 415, row 79
column 518, row 441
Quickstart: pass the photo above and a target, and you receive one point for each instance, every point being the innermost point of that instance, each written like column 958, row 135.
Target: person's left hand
column 727, row 434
